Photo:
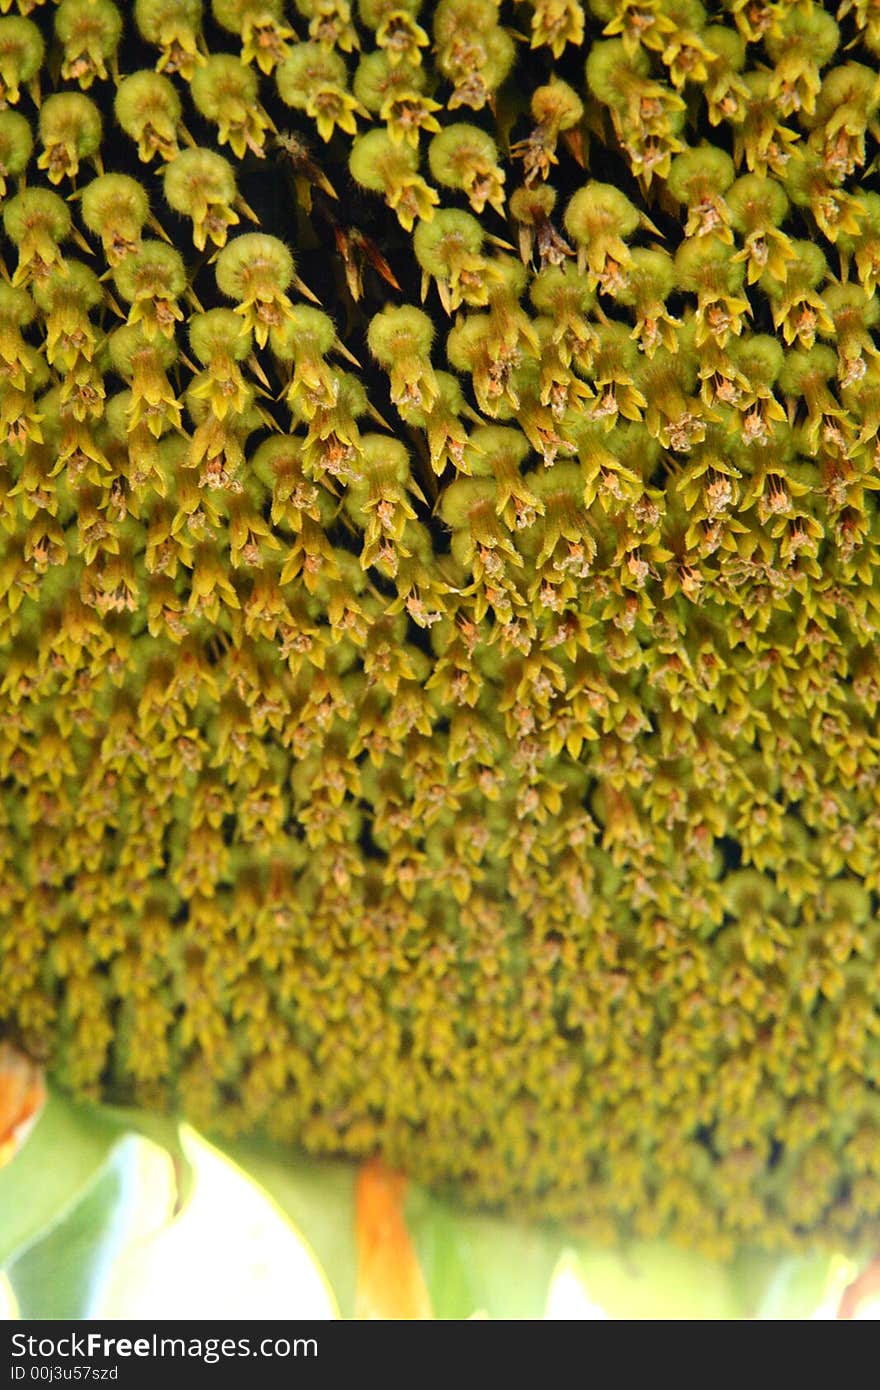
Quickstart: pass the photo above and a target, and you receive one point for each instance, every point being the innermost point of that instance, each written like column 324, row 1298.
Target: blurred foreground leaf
column 780, row 1287
column 63, row 1156
column 481, row 1264
column 64, row 1274
column 60, row 1159
column 657, row 1280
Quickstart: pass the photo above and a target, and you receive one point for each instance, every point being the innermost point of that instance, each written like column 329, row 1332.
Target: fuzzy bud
column 70, row 129
column 200, row 185
column 21, row 56
column 148, row 109
column 89, row 32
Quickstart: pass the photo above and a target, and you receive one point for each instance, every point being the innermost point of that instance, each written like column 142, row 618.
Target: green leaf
column 782, row 1286
column 317, row 1198
column 484, row 1264
column 60, row 1159
column 656, row 1280
column 443, row 1255
column 64, row 1274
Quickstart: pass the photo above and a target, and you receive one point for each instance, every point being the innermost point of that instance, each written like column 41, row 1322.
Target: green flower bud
column 382, row 454
column 306, row 338
column 16, row 306
column 220, row 81
column 562, row 484
column 728, row 46
column 89, row 32
column 532, row 205
column 200, row 409
column 35, row 221
column 352, row 395
column 455, row 148
column 452, row 17
column 700, row 172
column 154, row 17
column 811, row 185
column 465, row 157
column 73, row 284
column 477, row 68
column 117, row 416
column 611, row 69
column 377, row 80
column 493, row 448
column 384, row 165
column 559, row 290
column 196, row 178
column 374, row 12
column 114, row 207
column 450, row 237
column 21, row 55
column 306, row 331
column 256, row 270
column 450, row 401
column 599, row 218
column 400, row 339
column 706, row 266
column 801, row 367
column 598, row 209
column 400, row 331
column 849, row 304
column 70, row 129
column 479, row 18
column 812, row 34
column 848, row 901
column 173, row 26
column 16, row 146
column 218, row 332
column 651, row 277
column 749, row 894
column 500, row 52
column 850, row 87
column 797, row 308
column 200, row 184
column 154, row 270
column 231, row 15
column 756, row 202
column 276, row 457
column 330, row 22
column 307, row 68
column 127, row 343
column 556, row 106
column 148, row 109
column 466, row 341
column 465, row 497
column 449, row 249
column 507, row 282
column 253, row 259
column 375, row 160
column 759, row 357
column 616, row 354
column 870, row 224
column 808, row 268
